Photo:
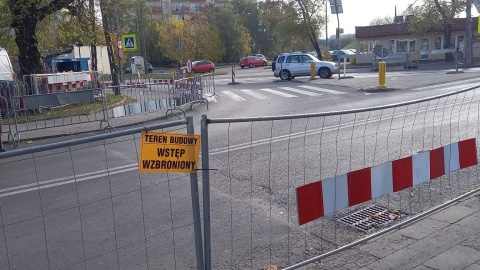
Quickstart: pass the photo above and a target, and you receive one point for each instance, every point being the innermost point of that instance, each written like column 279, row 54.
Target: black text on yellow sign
column 169, row 152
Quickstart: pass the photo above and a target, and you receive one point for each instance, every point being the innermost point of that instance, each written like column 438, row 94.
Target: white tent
column 6, row 70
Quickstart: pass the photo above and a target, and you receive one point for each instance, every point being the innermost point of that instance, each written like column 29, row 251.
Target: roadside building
column 182, row 10
column 399, row 40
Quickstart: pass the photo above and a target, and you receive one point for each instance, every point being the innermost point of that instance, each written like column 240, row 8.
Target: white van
column 6, row 70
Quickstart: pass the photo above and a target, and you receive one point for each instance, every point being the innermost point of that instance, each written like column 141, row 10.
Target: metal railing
column 78, row 203
column 254, row 169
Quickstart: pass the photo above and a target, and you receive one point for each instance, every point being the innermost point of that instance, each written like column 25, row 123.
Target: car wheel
column 242, row 66
column 193, row 70
column 324, row 73
column 264, row 64
column 284, row 75
column 211, row 70
column 251, row 65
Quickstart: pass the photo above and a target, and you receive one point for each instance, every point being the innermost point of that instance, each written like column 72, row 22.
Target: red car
column 252, row 61
column 202, row 66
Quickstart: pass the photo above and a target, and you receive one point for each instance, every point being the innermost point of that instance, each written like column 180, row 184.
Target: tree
column 437, row 14
column 232, row 32
column 25, row 17
column 311, row 19
column 381, row 20
column 280, row 25
column 199, row 39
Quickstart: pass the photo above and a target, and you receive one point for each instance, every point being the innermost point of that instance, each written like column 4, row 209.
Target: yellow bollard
column 382, row 70
column 312, row 71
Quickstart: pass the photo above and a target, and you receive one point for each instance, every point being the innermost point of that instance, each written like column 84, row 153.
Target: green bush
column 353, row 61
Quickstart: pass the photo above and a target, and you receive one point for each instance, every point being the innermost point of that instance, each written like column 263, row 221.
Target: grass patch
column 71, row 111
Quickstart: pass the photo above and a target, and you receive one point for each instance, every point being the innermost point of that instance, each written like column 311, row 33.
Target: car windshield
column 243, row 58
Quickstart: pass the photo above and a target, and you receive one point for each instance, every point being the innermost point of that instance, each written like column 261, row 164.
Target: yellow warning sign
column 169, row 152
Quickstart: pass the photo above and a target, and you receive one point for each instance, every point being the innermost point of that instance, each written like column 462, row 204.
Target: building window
column 164, row 5
column 425, row 44
column 195, row 6
column 438, row 43
column 411, row 46
column 165, row 17
column 371, row 45
column 402, row 46
column 177, row 6
column 459, row 39
column 391, row 46
column 363, row 47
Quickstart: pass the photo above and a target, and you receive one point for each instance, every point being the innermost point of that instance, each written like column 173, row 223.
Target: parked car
column 252, row 61
column 289, row 66
column 261, row 56
column 128, row 70
column 343, row 54
column 202, row 66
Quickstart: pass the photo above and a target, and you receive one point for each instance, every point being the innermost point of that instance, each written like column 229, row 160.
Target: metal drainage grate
column 370, row 218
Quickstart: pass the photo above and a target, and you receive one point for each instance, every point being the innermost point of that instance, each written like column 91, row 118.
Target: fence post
column 233, row 74
column 197, row 225
column 206, row 193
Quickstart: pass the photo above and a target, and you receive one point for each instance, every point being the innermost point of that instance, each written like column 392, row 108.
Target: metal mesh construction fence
column 256, row 166
column 82, row 204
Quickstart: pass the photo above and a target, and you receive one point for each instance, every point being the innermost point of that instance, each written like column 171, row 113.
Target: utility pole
column 93, row 43
column 105, row 10
column 326, row 25
column 468, row 34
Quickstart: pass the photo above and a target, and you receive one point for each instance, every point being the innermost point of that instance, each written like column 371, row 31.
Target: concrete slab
column 454, row 213
column 423, row 228
column 422, row 267
column 473, row 267
column 385, row 245
column 401, row 259
column 458, row 257
column 350, row 259
column 470, row 221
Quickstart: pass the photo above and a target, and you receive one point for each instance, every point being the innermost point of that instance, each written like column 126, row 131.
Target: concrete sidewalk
column 446, row 240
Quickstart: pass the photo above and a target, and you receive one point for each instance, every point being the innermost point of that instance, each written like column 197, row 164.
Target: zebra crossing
column 284, row 92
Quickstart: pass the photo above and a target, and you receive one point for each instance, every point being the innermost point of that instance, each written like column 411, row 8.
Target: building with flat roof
column 182, row 10
column 398, row 39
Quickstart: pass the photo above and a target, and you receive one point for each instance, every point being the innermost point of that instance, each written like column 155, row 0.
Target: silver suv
column 291, row 65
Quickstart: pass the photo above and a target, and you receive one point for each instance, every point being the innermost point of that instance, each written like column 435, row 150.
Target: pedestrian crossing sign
column 129, row 42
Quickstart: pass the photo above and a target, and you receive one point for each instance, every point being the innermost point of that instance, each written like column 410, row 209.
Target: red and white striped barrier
column 164, row 81
column 333, row 194
column 65, row 87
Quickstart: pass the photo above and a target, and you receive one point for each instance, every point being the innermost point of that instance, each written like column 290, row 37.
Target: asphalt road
column 88, row 207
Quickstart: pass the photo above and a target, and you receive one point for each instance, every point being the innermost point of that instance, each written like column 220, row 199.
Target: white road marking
column 233, row 96
column 278, row 93
column 322, row 90
column 451, row 85
column 300, row 91
column 254, row 94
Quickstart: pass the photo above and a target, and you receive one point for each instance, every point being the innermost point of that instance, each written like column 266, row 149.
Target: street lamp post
column 337, row 8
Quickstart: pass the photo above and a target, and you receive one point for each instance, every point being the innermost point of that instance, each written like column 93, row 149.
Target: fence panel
column 53, row 110
column 336, row 169
column 82, row 204
column 7, row 131
column 163, row 94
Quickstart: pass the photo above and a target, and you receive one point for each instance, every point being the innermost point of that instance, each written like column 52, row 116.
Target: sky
column 362, row 12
